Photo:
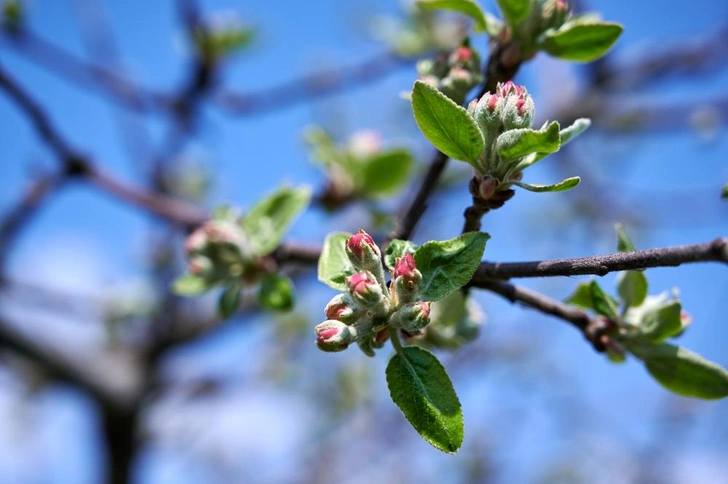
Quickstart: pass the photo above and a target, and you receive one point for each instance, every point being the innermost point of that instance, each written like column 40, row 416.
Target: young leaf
column 603, row 303
column 582, row 296
column 446, row 125
column 229, row 301
column 449, row 310
column 267, row 222
column 581, row 41
column 189, row 285
column 467, row 7
column 276, row 292
column 421, row 388
column 624, row 243
column 661, row 321
column 448, row 265
column 517, row 143
column 396, row 249
column 577, row 127
column 385, row 173
column 334, row 264
column 562, row 186
column 632, row 288
column 682, row 371
column 514, row 10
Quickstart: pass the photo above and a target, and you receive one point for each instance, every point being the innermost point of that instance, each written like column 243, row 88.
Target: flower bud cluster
column 453, row 74
column 551, row 14
column 370, row 307
column 218, row 251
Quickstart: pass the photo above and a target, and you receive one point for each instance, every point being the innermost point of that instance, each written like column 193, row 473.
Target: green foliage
column 577, row 127
column 276, row 292
column 421, row 388
column 396, row 249
column 724, row 192
column 624, row 243
column 385, row 173
column 517, row 143
column 446, row 125
column 632, row 288
column 467, row 7
column 216, row 42
column 582, row 41
column 561, row 186
column 269, row 219
column 448, row 265
column 514, row 10
column 189, row 285
column 229, row 301
column 657, row 318
column 333, row 264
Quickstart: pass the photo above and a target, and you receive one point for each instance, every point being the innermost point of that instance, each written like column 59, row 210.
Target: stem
column 394, row 336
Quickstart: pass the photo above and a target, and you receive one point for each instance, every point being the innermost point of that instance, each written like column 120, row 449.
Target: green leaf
column 682, row 371
column 467, row 7
column 660, row 321
column 276, row 292
column 448, row 265
column 562, row 186
column 334, row 264
column 189, row 285
column 517, row 143
column 267, row 222
column 581, row 296
column 577, row 127
column 450, row 310
column 624, row 243
column 494, row 25
column 421, row 388
column 229, row 301
column 581, row 41
column 396, row 249
column 632, row 288
column 514, row 10
column 446, row 125
column 604, row 304
column 385, row 173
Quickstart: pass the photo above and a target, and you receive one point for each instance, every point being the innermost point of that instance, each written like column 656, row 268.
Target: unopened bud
column 365, row 290
column 364, row 253
column 200, row 265
column 411, row 317
column 342, row 308
column 195, row 242
column 332, row 335
column 405, row 278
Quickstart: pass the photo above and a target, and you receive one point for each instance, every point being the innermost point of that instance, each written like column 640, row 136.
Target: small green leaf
column 604, row 304
column 581, row 296
column 446, row 125
column 661, row 321
column 276, row 292
column 421, row 388
column 682, row 371
column 517, row 143
column 449, row 311
column 385, row 173
column 577, row 127
column 581, row 41
column 514, row 10
column 334, row 264
column 562, row 186
column 229, row 301
column 624, row 243
column 396, row 249
column 448, row 265
column 467, row 7
column 267, row 222
column 189, row 285
column 632, row 288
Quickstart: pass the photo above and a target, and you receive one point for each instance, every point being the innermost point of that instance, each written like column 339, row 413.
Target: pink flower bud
column 365, row 290
column 462, row 54
column 199, row 265
column 342, row 308
column 364, row 253
column 332, row 335
column 405, row 278
column 195, row 242
column 405, row 266
column 411, row 317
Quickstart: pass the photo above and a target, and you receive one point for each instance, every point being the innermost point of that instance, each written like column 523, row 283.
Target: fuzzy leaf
column 229, row 301
column 276, row 292
column 446, row 125
column 421, row 388
column 576, row 128
column 189, row 285
column 514, row 10
column 661, row 321
column 581, row 296
column 334, row 264
column 682, row 371
column 267, row 221
column 397, row 248
column 385, row 173
column 624, row 243
column 581, row 41
column 467, row 7
column 603, row 303
column 562, row 186
column 517, row 143
column 448, row 265
column 632, row 288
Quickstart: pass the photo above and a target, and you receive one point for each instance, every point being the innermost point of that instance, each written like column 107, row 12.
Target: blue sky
column 86, row 242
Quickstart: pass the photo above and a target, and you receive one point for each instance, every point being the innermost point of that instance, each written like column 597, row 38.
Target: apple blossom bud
column 342, row 308
column 195, row 242
column 365, row 290
column 405, row 278
column 200, row 265
column 518, row 109
column 365, row 254
column 332, row 335
column 411, row 317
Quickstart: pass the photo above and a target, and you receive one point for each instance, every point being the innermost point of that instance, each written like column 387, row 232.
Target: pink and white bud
column 364, row 253
column 405, row 278
column 195, row 242
column 518, row 110
column 412, row 317
column 343, row 308
column 332, row 335
column 199, row 265
column 365, row 290
column 365, row 143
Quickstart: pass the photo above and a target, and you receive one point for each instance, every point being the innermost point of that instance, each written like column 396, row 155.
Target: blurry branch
column 714, row 251
column 19, row 216
column 76, row 166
